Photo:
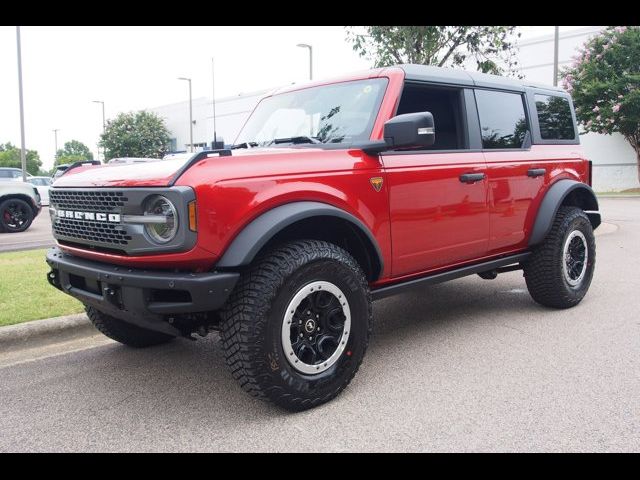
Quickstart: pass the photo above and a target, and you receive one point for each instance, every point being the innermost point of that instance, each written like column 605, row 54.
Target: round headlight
column 165, row 229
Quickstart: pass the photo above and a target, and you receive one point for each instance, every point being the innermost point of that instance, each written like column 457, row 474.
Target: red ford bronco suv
column 336, row 193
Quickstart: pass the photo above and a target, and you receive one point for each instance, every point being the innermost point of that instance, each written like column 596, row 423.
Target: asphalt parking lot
column 38, row 235
column 470, row 365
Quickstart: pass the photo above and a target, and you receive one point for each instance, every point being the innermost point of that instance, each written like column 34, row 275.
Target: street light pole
column 556, row 41
column 190, row 115
column 23, row 152
column 213, row 99
column 104, row 124
column 55, row 133
column 304, row 45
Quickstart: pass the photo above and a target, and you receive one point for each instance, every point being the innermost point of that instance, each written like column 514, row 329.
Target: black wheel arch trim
column 552, row 201
column 263, row 228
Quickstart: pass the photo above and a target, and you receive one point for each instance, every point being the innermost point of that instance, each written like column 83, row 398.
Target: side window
column 503, row 122
column 6, row 174
column 554, row 117
column 445, row 106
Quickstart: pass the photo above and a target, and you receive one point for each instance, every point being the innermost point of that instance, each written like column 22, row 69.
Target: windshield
column 336, row 113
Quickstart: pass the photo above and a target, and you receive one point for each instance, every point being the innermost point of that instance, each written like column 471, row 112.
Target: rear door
column 517, row 173
column 438, row 196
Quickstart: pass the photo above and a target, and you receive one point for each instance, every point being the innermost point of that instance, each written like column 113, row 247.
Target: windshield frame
column 368, row 130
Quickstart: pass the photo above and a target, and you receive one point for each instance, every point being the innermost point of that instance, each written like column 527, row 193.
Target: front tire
column 296, row 328
column 15, row 215
column 559, row 271
column 124, row 332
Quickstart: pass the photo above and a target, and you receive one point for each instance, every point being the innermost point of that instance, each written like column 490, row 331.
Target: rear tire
column 16, row 215
column 297, row 325
column 124, row 332
column 559, row 271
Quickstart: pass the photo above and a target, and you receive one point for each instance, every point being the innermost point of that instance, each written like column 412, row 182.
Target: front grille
column 73, row 224
column 92, row 200
column 108, row 233
column 87, row 231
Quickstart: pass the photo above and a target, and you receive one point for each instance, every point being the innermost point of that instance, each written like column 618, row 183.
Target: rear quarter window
column 554, row 117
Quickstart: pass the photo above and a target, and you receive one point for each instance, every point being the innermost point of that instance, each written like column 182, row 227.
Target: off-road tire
column 252, row 322
column 124, row 332
column 543, row 270
column 4, row 227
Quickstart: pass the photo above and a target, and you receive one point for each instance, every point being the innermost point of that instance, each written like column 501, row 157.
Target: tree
column 489, row 46
column 135, row 134
column 10, row 157
column 604, row 81
column 73, row 151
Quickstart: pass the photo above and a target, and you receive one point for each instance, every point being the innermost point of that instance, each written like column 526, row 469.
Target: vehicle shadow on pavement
column 425, row 311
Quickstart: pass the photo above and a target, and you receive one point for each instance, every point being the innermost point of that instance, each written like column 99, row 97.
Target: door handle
column 536, row 172
column 471, row 177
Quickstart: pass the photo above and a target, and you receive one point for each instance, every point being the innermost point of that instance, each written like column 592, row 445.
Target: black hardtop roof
column 431, row 74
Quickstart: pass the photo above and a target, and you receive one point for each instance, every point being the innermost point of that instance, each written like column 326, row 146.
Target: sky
column 131, row 68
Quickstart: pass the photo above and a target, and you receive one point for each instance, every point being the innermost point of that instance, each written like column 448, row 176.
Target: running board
column 384, row 292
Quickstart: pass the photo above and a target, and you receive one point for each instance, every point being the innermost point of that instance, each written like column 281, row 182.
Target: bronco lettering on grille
column 95, row 216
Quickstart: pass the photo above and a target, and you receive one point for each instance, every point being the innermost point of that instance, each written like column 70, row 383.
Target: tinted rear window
column 554, row 117
column 502, row 119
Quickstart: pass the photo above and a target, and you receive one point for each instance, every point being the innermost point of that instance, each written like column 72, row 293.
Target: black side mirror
column 405, row 131
column 410, row 130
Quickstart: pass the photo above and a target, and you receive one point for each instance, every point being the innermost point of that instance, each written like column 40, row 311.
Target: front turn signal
column 193, row 222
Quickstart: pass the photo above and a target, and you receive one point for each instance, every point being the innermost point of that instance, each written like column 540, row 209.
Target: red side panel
column 515, row 195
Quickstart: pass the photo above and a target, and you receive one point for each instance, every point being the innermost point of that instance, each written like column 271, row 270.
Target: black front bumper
column 148, row 298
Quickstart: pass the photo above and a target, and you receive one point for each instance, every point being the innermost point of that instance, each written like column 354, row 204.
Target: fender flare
column 255, row 235
column 552, row 201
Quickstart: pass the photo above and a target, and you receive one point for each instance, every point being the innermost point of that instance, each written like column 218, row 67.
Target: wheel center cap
column 310, row 325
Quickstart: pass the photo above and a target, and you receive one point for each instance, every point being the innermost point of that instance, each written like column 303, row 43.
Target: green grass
column 25, row 293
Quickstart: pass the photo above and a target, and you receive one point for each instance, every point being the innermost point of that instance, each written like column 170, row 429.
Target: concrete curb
column 51, row 330
column 622, row 195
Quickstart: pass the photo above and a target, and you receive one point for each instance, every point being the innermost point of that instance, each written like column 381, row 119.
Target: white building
column 613, row 158
column 231, row 113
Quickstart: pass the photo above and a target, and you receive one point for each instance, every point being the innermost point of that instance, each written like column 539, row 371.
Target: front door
column 438, row 196
column 438, row 209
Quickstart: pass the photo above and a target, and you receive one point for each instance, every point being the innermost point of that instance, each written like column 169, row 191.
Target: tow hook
column 52, row 277
column 111, row 293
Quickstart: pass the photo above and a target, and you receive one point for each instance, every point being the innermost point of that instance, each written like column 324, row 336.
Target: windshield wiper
column 244, row 145
column 298, row 139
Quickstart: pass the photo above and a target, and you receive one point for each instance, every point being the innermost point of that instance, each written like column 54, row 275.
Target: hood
column 161, row 173
column 157, row 173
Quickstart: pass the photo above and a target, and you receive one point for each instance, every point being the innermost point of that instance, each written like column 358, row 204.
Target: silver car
column 42, row 184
